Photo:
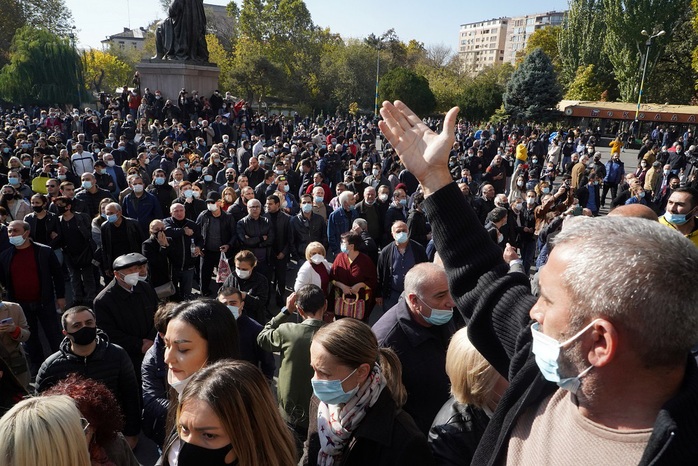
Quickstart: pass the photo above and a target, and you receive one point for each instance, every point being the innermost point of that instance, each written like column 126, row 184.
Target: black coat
column 385, row 265
column 304, row 231
column 158, row 260
column 51, row 278
column 108, row 364
column 51, row 224
column 387, row 436
column 456, row 432
column 180, row 246
column 155, row 392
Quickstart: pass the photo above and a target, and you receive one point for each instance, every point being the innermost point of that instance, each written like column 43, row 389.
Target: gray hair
column 115, row 205
column 661, row 323
column 361, row 223
column 345, row 196
column 419, row 277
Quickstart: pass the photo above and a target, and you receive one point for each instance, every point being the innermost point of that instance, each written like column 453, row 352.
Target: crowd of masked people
column 163, row 235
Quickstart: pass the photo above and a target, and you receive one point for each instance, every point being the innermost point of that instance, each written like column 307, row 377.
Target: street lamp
column 644, row 71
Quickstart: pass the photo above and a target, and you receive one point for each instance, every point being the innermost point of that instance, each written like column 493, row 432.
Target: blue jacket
column 147, row 209
column 337, row 223
column 614, row 172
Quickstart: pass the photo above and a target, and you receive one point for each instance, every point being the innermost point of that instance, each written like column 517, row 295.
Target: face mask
column 666, row 172
column 517, row 207
column 401, row 237
column 438, row 316
column 307, row 208
column 196, row 194
column 101, row 171
column 87, row 184
column 17, row 240
column 344, row 248
column 194, row 455
column 84, row 336
column 279, row 172
column 235, row 310
column 229, row 165
column 188, row 193
column 547, row 351
column 383, row 197
column 403, row 202
column 208, row 178
column 13, row 180
column 596, row 183
column 642, row 194
column 62, row 177
column 534, row 161
column 27, row 163
column 286, row 188
column 37, row 208
column 331, row 392
column 178, row 385
column 137, row 188
column 212, row 207
column 520, row 184
column 131, row 279
column 319, row 199
column 643, row 165
column 317, row 259
column 197, row 169
column 545, row 190
column 674, row 219
column 112, row 218
column 244, row 274
column 375, row 172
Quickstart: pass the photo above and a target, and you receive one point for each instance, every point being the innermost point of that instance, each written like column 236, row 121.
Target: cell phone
column 8, row 320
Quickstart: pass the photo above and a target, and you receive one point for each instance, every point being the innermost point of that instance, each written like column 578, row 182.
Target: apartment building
column 487, row 43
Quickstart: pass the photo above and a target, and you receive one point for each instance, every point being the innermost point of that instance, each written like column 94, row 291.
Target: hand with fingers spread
column 423, row 152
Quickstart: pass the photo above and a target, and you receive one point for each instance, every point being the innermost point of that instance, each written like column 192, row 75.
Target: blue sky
column 431, row 22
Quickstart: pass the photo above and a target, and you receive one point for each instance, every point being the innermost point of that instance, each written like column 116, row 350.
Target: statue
column 182, row 35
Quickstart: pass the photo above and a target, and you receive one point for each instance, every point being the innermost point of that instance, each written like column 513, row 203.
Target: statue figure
column 182, row 35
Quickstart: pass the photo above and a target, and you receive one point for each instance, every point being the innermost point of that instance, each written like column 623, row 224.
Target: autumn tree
column 104, row 71
column 409, row 87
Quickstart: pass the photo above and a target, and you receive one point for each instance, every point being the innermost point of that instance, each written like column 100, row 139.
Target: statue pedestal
column 169, row 77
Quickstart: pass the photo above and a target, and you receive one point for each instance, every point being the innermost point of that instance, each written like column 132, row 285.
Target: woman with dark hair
column 17, row 208
column 353, row 273
column 106, row 444
column 199, row 333
column 227, row 415
column 355, row 414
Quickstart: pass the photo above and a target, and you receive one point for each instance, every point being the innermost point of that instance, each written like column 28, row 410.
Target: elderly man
column 484, row 203
column 218, row 236
column 340, row 220
column 141, row 205
column 368, row 210
column 395, row 260
column 125, row 308
column 418, row 329
column 256, row 233
column 120, row 235
column 609, row 370
column 187, row 243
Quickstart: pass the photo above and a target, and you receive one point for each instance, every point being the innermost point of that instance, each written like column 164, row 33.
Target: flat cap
column 128, row 260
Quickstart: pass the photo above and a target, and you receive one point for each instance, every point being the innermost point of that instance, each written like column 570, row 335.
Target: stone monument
column 181, row 60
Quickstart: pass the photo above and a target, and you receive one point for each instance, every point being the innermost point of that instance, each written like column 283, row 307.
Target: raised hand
column 423, row 152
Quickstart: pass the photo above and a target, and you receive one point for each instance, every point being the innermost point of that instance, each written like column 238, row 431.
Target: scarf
column 336, row 423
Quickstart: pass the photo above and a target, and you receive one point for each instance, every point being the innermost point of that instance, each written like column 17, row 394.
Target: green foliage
column 12, row 18
column 500, row 116
column 581, row 40
column 52, row 15
column 482, row 95
column 408, row 86
column 585, row 85
column 546, row 39
column 348, row 74
column 220, row 56
column 624, row 44
column 533, row 89
column 44, row 69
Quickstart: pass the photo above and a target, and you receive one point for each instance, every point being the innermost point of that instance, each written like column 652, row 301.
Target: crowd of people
column 164, row 239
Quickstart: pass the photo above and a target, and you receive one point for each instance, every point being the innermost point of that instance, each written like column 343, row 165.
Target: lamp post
column 644, row 72
column 378, row 66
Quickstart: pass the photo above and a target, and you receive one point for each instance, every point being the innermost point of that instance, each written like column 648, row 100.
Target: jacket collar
column 415, row 333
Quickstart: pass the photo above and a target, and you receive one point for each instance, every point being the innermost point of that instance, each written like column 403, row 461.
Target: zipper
column 656, row 459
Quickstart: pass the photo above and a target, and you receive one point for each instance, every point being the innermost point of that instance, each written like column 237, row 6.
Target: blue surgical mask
column 331, row 392
column 344, row 248
column 676, row 219
column 13, row 180
column 17, row 240
column 112, row 218
column 319, row 199
column 401, row 237
column 547, row 352
column 307, row 208
column 403, row 202
column 188, row 193
column 438, row 316
column 545, row 190
column 87, row 184
column 160, row 181
column 235, row 310
column 208, row 178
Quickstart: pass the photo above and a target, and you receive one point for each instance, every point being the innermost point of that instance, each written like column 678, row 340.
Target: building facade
column 496, row 41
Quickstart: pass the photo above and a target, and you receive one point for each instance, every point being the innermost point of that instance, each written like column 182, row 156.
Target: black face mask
column 84, row 336
column 194, row 455
column 37, row 208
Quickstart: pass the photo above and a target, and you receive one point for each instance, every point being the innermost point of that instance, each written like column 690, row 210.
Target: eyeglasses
column 50, row 185
column 85, row 424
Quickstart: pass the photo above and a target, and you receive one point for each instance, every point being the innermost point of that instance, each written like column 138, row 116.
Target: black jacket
column 496, row 305
column 227, row 235
column 386, row 436
column 165, row 195
column 180, row 246
column 127, row 317
column 257, row 289
column 250, row 234
column 304, row 231
column 108, row 364
column 50, row 274
column 51, row 224
column 133, row 233
column 158, row 260
column 456, row 432
column 155, row 392
column 282, row 233
column 191, row 209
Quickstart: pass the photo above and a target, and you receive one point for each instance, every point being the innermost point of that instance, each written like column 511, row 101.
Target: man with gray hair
column 602, row 359
column 418, row 328
column 340, row 220
column 369, row 246
column 120, row 235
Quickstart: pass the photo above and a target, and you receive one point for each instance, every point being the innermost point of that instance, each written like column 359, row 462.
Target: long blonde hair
column 472, row 377
column 239, row 394
column 43, row 431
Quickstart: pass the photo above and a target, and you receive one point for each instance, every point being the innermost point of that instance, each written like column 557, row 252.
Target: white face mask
column 244, row 274
column 178, row 385
column 316, row 259
column 383, row 197
column 131, row 279
column 212, row 207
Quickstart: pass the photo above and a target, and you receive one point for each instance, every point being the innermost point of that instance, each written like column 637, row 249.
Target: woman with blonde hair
column 315, row 270
column 227, row 415
column 476, row 388
column 46, row 431
column 355, row 418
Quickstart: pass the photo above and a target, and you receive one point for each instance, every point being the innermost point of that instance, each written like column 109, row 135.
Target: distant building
column 126, row 40
column 521, row 28
column 486, row 43
column 482, row 44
